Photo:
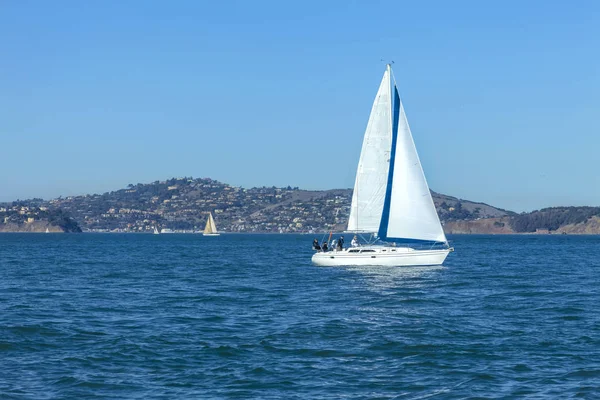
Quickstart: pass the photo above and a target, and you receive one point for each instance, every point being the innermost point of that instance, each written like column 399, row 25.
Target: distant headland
column 182, row 205
column 22, row 216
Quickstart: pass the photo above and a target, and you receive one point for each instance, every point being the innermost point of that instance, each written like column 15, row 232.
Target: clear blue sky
column 503, row 98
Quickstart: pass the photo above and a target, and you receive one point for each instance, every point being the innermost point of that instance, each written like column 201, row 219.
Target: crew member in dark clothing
column 316, row 245
column 340, row 243
column 324, row 245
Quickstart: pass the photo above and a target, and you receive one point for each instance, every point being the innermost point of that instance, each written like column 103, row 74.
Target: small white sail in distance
column 211, row 228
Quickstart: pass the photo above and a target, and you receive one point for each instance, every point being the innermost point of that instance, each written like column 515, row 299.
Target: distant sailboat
column 210, row 229
column 391, row 202
column 47, row 230
column 156, row 232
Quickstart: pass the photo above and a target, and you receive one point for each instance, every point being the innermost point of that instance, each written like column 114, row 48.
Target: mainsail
column 372, row 173
column 391, row 197
column 210, row 225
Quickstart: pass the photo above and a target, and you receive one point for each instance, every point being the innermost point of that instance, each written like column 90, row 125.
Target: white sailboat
column 391, row 204
column 156, row 232
column 210, row 229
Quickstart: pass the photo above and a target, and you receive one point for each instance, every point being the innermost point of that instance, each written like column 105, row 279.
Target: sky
column 503, row 98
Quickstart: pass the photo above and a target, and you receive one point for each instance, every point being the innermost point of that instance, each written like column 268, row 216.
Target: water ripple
column 248, row 316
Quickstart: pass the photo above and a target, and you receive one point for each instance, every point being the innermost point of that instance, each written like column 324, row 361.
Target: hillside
column 558, row 220
column 27, row 217
column 453, row 209
column 182, row 204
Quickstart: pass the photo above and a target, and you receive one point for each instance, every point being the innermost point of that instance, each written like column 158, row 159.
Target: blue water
column 248, row 316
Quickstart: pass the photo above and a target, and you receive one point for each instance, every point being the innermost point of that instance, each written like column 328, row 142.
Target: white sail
column 412, row 214
column 210, row 227
column 213, row 226
column 372, row 173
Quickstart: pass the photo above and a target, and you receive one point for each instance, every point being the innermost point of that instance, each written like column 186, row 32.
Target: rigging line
column 356, row 188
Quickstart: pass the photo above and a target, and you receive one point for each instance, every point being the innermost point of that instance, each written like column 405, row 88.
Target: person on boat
column 324, row 245
column 334, row 244
column 354, row 241
column 316, row 245
column 340, row 243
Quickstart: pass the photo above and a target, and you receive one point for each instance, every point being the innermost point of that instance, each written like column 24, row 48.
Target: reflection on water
column 384, row 278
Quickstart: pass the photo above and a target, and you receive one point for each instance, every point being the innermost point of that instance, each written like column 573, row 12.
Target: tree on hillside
column 552, row 218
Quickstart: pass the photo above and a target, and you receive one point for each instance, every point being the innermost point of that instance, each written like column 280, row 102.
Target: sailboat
column 392, row 210
column 210, row 229
column 156, row 232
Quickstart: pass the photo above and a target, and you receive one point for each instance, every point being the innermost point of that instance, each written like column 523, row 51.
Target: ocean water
column 247, row 316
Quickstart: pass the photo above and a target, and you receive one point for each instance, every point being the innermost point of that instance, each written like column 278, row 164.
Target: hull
column 383, row 256
column 211, row 234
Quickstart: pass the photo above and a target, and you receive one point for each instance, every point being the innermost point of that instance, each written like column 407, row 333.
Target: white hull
column 380, row 255
column 211, row 234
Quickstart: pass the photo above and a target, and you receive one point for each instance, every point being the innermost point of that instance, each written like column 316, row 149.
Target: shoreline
column 300, row 233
